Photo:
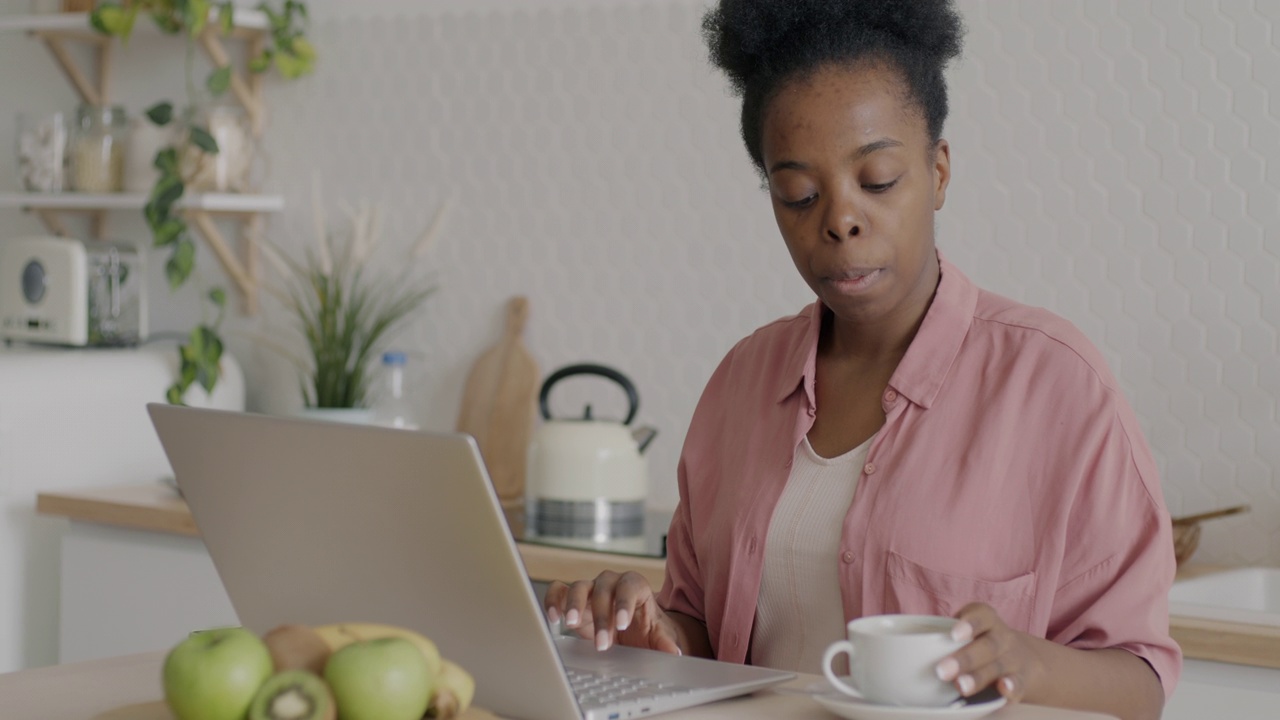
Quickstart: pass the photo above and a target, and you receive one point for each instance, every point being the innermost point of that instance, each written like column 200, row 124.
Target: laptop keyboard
column 594, row 690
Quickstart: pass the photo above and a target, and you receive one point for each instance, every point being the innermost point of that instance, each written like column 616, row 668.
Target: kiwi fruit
column 297, row 647
column 293, row 695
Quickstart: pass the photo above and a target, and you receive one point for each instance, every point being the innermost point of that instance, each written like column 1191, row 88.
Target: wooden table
column 99, row 689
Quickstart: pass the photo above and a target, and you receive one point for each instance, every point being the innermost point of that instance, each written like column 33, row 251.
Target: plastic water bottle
column 392, row 408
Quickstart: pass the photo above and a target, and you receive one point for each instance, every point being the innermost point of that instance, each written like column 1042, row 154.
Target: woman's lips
column 855, row 280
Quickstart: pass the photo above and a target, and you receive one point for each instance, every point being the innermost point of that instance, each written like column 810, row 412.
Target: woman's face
column 855, row 181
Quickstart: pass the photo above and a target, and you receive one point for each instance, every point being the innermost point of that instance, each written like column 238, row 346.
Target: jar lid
column 104, row 114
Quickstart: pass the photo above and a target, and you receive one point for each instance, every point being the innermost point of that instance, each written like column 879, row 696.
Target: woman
column 909, row 443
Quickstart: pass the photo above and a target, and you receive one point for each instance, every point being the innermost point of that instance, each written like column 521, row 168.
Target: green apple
column 214, row 674
column 383, row 679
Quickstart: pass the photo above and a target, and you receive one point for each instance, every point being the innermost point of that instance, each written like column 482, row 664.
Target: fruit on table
column 293, row 695
column 214, row 674
column 455, row 688
column 297, row 647
column 381, row 679
column 340, row 635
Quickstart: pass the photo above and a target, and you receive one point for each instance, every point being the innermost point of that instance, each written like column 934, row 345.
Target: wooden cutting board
column 159, row 711
column 498, row 404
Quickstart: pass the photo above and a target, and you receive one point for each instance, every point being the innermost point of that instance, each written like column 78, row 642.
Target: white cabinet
column 129, row 591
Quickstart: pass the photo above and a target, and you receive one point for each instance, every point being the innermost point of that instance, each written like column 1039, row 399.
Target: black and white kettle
column 588, row 477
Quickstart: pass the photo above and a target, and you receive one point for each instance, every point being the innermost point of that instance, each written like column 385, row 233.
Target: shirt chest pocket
column 912, row 588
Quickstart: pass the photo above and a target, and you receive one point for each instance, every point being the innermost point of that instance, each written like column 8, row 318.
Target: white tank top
column 800, row 610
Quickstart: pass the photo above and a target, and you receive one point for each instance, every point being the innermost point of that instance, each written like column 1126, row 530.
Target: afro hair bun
column 748, row 38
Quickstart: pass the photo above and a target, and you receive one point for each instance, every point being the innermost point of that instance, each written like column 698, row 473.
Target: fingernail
column 572, row 618
column 553, row 616
column 966, row 684
column 962, row 632
column 602, row 640
column 1006, row 686
column 947, row 669
column 624, row 619
column 679, row 652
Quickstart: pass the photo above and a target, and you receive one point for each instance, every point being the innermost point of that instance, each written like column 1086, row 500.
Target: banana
column 455, row 688
column 340, row 635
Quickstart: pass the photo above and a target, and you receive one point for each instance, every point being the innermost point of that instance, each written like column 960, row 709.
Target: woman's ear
column 941, row 172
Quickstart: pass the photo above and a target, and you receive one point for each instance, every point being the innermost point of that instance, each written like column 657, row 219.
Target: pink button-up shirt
column 1010, row 470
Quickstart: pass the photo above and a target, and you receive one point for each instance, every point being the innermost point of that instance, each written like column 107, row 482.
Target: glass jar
column 228, row 170
column 98, row 149
column 42, row 152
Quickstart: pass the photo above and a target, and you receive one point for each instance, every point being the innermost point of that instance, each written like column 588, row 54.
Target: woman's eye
column 801, row 203
column 880, row 187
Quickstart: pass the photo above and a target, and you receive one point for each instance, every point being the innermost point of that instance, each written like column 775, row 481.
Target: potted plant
column 344, row 309
column 290, row 53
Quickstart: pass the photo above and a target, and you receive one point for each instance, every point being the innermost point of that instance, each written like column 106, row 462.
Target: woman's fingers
column 602, row 604
column 993, row 656
column 553, row 601
column 612, row 608
column 575, row 606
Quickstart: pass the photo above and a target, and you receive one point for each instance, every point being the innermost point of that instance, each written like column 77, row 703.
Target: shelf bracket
column 243, row 275
column 88, row 93
column 249, row 94
column 52, row 222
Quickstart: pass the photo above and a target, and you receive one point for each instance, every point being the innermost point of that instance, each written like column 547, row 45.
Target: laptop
column 315, row 522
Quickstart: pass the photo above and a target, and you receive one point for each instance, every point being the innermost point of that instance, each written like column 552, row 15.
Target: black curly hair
column 763, row 44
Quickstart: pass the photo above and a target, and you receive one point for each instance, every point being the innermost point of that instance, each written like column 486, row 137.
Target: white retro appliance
column 59, row 291
column 588, row 478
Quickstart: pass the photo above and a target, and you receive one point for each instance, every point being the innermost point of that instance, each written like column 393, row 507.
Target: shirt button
column 869, row 468
column 847, row 556
column 890, row 396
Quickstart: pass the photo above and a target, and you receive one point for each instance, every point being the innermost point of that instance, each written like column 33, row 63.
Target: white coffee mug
column 892, row 660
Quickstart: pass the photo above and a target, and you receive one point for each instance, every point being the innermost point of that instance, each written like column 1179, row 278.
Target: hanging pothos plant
column 292, row 56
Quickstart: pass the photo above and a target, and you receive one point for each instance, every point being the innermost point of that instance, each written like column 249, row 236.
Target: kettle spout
column 643, row 436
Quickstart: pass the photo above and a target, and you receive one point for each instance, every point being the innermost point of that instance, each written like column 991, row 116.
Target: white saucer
column 855, row 708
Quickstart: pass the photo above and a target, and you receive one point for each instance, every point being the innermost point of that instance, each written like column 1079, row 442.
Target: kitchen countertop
column 156, row 507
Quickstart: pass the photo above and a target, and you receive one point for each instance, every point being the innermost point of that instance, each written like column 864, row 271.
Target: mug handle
column 836, row 648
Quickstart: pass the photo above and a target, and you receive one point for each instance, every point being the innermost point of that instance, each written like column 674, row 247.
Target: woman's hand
column 995, row 654
column 625, row 607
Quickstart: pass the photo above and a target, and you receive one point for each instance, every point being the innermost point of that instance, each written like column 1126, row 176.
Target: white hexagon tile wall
column 1112, row 159
column 1111, row 164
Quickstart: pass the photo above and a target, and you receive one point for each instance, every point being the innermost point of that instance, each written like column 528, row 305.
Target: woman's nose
column 843, row 220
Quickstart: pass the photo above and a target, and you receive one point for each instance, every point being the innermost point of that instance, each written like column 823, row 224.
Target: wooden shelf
column 199, row 209
column 242, row 19
column 56, row 30
column 210, row 202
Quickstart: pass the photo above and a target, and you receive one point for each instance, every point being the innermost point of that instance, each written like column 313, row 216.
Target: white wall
column 1110, row 158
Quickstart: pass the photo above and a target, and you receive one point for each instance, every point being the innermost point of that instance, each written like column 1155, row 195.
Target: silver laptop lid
column 313, row 522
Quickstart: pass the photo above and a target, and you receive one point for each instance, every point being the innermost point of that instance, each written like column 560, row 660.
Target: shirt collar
column 923, row 369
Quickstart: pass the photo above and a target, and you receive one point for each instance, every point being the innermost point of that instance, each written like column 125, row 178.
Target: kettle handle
column 633, row 399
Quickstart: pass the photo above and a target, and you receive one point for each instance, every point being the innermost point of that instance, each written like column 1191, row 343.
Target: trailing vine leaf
column 183, row 259
column 219, row 80
column 226, row 18
column 167, row 161
column 203, row 140
column 112, row 19
column 299, row 61
column 161, row 113
column 262, row 63
column 197, row 15
column 169, row 231
column 202, row 351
